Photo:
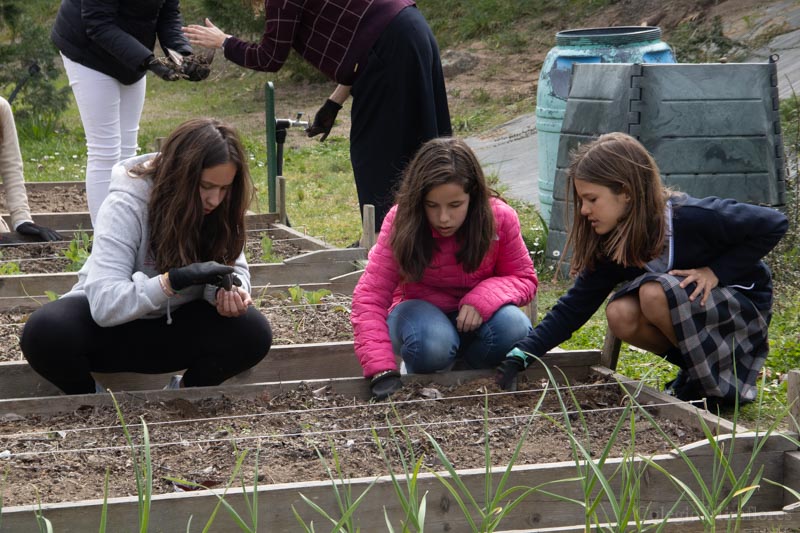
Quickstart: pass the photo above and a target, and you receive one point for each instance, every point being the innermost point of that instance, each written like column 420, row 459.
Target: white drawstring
column 169, row 316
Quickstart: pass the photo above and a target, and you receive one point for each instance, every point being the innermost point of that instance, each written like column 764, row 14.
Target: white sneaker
column 174, row 382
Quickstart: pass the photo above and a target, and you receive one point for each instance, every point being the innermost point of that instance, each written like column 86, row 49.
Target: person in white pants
column 110, row 113
column 107, row 48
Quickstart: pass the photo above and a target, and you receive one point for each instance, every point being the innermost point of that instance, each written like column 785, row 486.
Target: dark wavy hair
column 180, row 233
column 619, row 162
column 438, row 162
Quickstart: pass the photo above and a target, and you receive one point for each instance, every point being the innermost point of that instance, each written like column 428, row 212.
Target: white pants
column 110, row 112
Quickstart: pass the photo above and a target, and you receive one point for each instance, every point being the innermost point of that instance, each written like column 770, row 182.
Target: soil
column 64, row 458
column 59, row 199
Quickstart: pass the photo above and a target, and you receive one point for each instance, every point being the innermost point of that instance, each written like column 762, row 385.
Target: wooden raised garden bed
column 310, row 398
column 314, row 414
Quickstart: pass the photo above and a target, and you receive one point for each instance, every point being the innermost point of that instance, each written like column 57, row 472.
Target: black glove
column 161, row 69
column 384, row 384
column 228, row 281
column 195, row 68
column 515, row 362
column 324, row 119
column 45, row 234
column 210, row 272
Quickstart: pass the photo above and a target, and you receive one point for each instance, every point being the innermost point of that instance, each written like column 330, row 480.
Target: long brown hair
column 619, row 162
column 438, row 162
column 180, row 233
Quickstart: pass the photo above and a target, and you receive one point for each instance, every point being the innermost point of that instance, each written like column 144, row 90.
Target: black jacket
column 115, row 37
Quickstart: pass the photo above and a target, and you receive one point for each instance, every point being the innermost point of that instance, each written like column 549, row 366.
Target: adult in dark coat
column 381, row 51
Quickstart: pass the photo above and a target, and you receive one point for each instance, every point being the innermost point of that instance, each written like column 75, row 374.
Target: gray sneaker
column 174, row 382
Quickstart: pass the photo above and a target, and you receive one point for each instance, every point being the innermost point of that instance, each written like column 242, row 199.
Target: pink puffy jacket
column 505, row 276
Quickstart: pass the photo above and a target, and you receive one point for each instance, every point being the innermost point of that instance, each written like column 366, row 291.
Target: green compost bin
column 714, row 129
column 619, row 44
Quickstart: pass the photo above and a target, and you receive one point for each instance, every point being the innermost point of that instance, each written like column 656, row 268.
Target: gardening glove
column 324, row 119
column 160, row 69
column 210, row 272
column 385, row 383
column 515, row 362
column 228, row 281
column 45, row 234
column 195, row 68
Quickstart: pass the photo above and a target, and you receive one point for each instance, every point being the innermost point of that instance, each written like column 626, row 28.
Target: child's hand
column 703, row 277
column 233, row 303
column 468, row 319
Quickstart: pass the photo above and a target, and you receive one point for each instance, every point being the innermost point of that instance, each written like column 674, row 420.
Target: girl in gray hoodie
column 166, row 286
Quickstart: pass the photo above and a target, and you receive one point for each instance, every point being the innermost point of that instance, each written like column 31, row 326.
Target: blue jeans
column 427, row 339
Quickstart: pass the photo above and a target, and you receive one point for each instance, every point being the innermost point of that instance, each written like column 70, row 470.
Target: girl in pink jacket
column 447, row 276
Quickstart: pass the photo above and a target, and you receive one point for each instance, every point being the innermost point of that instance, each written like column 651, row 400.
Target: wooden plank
column 171, row 512
column 316, row 267
column 283, row 363
column 791, row 476
column 343, row 285
column 611, row 347
column 368, row 237
column 767, row 521
column 35, row 395
column 80, row 220
column 328, row 255
column 307, row 242
column 36, row 284
column 744, row 443
column 670, row 407
column 793, row 398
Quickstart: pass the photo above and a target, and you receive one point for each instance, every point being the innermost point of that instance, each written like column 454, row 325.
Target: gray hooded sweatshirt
column 119, row 278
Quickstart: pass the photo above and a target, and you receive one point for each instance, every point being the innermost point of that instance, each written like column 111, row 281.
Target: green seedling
column 414, row 507
column 615, row 510
column 78, row 251
column 344, row 498
column 252, row 503
column 498, row 501
column 142, row 467
column 44, row 525
column 299, row 296
column 9, row 269
column 267, row 256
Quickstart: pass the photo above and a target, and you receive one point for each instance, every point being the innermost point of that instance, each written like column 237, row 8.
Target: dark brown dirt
column 65, row 458
column 59, row 199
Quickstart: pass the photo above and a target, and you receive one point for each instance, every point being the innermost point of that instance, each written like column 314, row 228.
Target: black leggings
column 64, row 344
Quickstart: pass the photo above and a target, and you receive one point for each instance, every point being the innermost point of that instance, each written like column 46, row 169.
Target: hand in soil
column 164, row 68
column 385, row 384
column 197, row 67
column 506, row 376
